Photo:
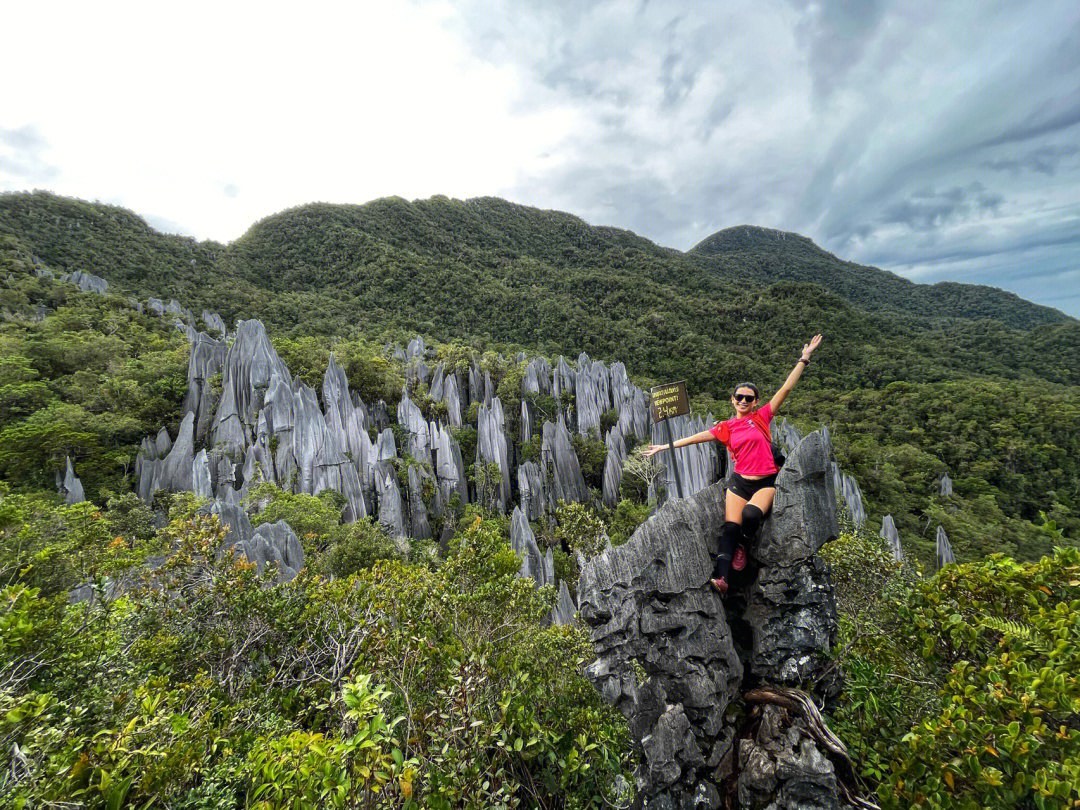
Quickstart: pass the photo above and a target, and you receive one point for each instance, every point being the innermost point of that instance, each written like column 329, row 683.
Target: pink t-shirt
column 749, row 445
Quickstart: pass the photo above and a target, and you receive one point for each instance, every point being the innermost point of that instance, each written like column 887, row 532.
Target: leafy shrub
column 1005, row 638
column 357, row 546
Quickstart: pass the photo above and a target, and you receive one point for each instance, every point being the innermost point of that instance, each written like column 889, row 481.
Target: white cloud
column 937, row 140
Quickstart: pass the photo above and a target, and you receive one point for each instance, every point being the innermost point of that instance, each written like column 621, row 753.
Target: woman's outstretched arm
column 704, row 436
column 793, row 377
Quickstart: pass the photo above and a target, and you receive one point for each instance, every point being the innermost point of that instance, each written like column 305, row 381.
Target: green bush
column 357, row 546
column 1005, row 640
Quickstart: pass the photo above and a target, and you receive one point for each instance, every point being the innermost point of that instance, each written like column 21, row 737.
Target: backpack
column 778, row 455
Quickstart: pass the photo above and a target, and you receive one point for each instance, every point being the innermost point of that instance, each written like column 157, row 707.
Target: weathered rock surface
column 697, row 462
column 781, row 768
column 492, row 448
column 666, row 657
column 560, row 465
column 214, row 322
column 945, row 486
column 251, row 367
column 523, row 541
column 270, row 543
column 88, row 282
column 892, row 537
column 69, row 485
column 391, row 507
column 565, row 609
column 944, row 548
column 205, row 360
column 791, row 609
column 616, row 454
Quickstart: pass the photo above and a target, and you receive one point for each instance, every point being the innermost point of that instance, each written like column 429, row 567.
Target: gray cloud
column 1044, row 160
column 929, row 209
column 934, row 140
column 21, row 157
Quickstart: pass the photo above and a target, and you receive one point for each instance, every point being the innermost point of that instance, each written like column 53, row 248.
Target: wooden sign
column 669, row 400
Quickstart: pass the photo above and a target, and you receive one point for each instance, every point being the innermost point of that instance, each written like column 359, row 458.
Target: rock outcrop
column 668, row 659
column 891, row 537
column 560, row 465
column 791, row 611
column 69, row 485
column 944, row 549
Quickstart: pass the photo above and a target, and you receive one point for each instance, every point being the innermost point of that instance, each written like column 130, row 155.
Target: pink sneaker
column 720, row 584
column 738, row 562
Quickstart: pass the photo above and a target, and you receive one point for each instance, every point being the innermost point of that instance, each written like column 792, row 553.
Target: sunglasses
column 744, row 397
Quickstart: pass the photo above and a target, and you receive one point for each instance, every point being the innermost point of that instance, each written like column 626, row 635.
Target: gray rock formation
column 449, row 465
column 391, row 507
column 791, row 610
column 560, row 465
column 944, row 549
column 616, row 454
column 781, row 768
column 666, row 657
column 452, row 398
column 88, row 282
column 412, row 419
column 563, row 380
column 172, row 473
column 591, row 387
column 523, row 542
column 214, row 322
column 200, row 476
column 892, row 537
column 69, row 485
column 347, row 420
column 492, row 447
column 250, row 367
column 697, row 462
column 156, row 305
column 277, row 544
column 204, row 361
column 531, row 493
column 945, row 488
column 565, row 609
column 852, row 496
column 537, row 379
column 528, row 421
column 270, row 544
column 416, row 349
column 419, row 525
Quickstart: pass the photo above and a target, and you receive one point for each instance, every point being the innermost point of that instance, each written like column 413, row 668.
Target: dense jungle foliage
column 913, row 380
column 961, row 687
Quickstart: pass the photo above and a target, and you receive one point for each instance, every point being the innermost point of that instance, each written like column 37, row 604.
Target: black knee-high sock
column 751, row 522
column 729, row 537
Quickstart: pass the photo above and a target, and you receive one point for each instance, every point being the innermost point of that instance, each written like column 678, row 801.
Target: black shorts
column 746, row 487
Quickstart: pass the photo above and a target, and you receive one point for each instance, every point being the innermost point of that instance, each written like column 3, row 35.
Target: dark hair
column 751, row 386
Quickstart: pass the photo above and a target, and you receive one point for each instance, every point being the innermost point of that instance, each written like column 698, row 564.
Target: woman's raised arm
column 704, row 436
column 793, row 377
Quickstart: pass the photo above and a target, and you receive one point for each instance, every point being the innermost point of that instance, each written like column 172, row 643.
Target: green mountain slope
column 770, row 255
column 906, row 387
column 492, row 270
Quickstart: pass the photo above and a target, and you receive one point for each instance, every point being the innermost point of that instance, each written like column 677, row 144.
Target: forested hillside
column 430, row 675
column 913, row 380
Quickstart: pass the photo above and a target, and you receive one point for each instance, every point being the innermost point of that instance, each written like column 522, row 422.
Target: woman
column 750, row 496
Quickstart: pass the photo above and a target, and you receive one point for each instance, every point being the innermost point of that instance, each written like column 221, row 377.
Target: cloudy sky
column 938, row 140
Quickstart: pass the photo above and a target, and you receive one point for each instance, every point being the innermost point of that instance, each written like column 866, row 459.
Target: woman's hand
column 808, row 348
column 653, row 450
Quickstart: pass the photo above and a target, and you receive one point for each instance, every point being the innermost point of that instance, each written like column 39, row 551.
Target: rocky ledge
column 676, row 659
